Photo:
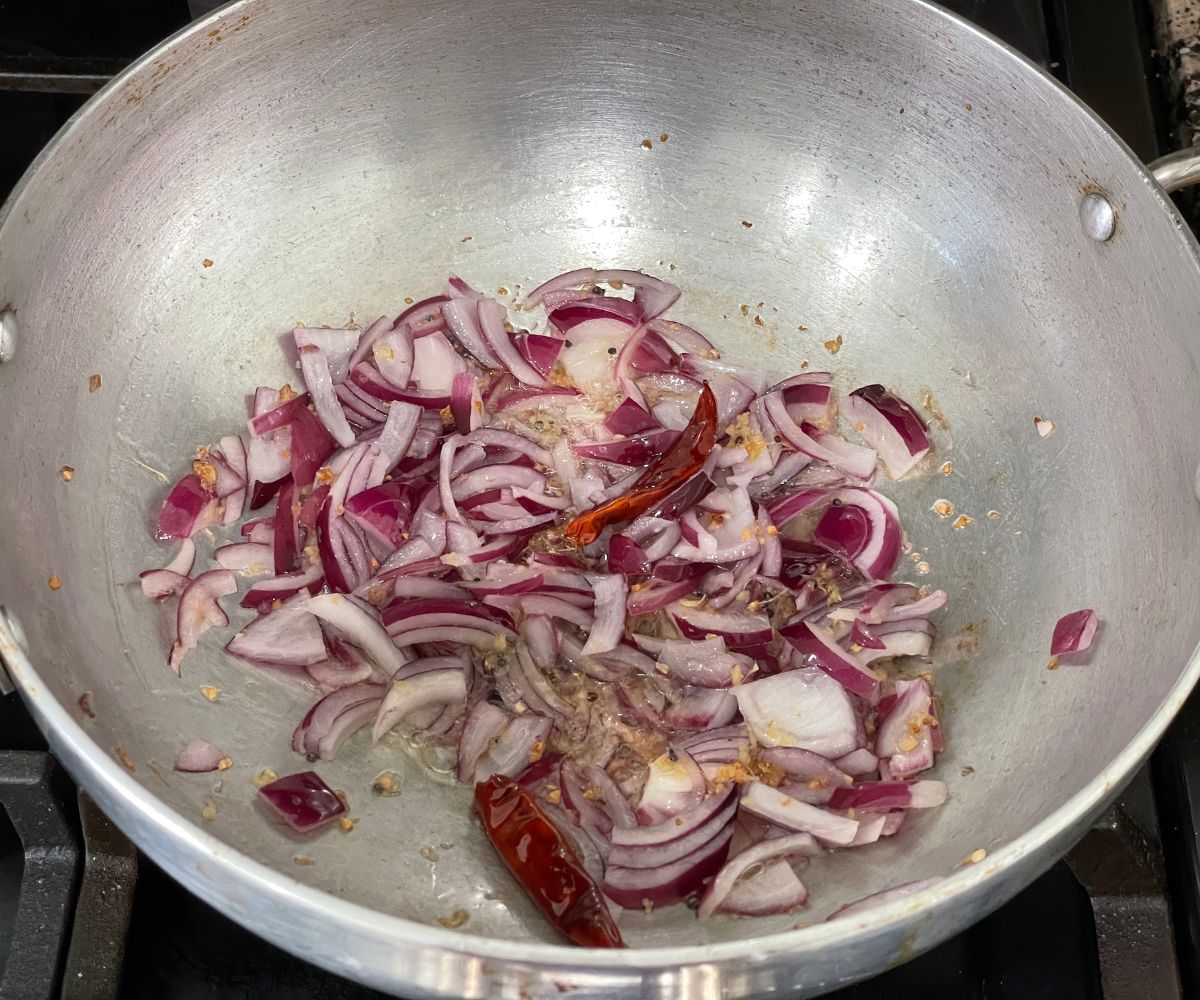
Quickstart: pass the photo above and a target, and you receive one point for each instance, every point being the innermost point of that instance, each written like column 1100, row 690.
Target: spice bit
column 647, row 144
column 456, row 919
column 947, row 469
column 1053, row 664
column 67, row 473
column 264, row 777
column 930, row 404
column 225, row 763
column 974, row 857
column 961, row 522
column 54, row 582
column 968, row 770
column 993, row 514
column 1044, row 427
column 386, row 784
column 206, row 262
column 943, row 508
column 758, row 320
column 502, row 290
column 209, row 812
column 744, row 310
column 664, row 137
column 94, row 383
column 85, row 704
column 748, row 225
column 923, row 568
column 346, row 823
column 466, row 239
column 835, row 345
column 210, row 692
column 302, row 861
column 428, row 854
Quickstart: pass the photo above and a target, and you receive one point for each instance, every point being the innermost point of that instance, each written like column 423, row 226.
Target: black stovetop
column 94, row 922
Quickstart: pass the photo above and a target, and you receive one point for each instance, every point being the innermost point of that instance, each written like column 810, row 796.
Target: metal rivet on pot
column 8, row 335
column 1097, row 216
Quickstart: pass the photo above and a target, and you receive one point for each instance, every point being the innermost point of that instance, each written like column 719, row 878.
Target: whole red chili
column 544, row 863
column 676, row 466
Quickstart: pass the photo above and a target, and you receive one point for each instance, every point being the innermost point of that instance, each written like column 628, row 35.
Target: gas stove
column 84, row 917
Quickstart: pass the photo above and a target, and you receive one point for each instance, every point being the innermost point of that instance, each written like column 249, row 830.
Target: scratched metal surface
column 911, row 187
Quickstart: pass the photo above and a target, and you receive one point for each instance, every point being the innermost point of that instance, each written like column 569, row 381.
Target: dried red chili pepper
column 678, row 464
column 544, row 863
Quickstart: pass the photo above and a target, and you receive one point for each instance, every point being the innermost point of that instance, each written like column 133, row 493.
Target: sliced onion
column 288, row 637
column 789, row 813
column 817, row 648
column 334, row 717
column 199, row 757
column 199, row 611
column 539, row 351
column 702, row 708
column 245, row 557
column 851, row 459
column 286, row 585
column 883, row 796
column 188, row 508
column 609, row 624
column 887, row 896
column 520, row 744
column 315, row 366
column 435, row 363
column 800, row 708
column 901, row 727
column 360, row 628
column 675, row 784
column 158, row 584
column 889, row 425
column 406, row 697
column 1074, row 633
column 484, row 724
column 740, row 631
column 666, row 863
column 790, row 846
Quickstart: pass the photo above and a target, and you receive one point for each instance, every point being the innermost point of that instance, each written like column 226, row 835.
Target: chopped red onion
column 889, row 425
column 789, row 846
column 1074, row 633
column 817, row 648
column 421, row 577
column 405, row 697
column 245, row 557
column 287, row 637
column 887, row 896
column 790, row 813
column 199, row 611
column 199, row 757
column 675, row 784
column 303, row 800
column 800, row 708
column 188, row 508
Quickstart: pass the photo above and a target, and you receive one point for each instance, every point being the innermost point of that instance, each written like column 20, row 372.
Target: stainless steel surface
column 912, row 185
column 8, row 335
column 1177, row 170
column 1097, row 216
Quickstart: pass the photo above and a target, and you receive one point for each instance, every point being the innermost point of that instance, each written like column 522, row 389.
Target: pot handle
column 1177, row 170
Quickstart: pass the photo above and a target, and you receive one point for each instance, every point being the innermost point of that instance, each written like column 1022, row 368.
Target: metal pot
column 874, row 169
